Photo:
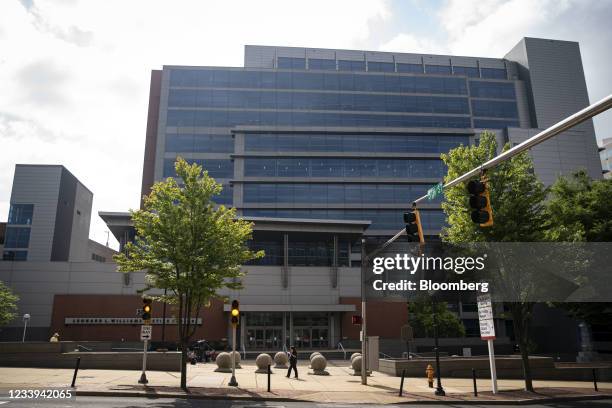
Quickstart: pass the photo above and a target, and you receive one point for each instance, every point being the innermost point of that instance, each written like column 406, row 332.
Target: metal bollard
column 76, row 370
column 402, row 382
column 474, row 379
column 595, row 379
column 269, row 372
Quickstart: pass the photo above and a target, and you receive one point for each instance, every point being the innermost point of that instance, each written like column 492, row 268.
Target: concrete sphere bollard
column 356, row 365
column 316, row 353
column 237, row 354
column 318, row 364
column 224, row 362
column 354, row 355
column 262, row 362
column 281, row 360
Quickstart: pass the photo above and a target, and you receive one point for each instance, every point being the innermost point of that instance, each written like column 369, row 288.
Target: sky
column 74, row 75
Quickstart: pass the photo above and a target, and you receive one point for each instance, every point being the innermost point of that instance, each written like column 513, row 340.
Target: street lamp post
column 439, row 390
column 26, row 319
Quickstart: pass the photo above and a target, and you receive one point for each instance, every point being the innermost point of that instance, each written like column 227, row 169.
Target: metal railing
column 243, row 352
column 83, row 348
column 341, row 347
column 380, row 353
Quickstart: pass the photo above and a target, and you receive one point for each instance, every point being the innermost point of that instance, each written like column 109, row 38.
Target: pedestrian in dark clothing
column 293, row 362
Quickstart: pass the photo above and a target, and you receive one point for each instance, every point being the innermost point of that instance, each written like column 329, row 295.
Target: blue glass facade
column 363, row 156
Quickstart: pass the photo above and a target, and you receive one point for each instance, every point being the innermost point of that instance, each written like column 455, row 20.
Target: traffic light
column 146, row 309
column 414, row 229
column 356, row 319
column 235, row 312
column 480, row 202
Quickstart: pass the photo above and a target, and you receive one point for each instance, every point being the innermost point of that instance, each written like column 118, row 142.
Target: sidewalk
column 340, row 386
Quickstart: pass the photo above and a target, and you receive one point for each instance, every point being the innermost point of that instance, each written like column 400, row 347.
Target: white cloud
column 490, row 28
column 410, row 43
column 75, row 74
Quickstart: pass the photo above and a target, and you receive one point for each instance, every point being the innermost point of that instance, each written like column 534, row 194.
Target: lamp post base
column 440, row 392
column 233, row 381
column 143, row 379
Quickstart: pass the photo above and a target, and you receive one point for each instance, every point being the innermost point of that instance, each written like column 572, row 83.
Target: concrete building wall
column 554, row 77
column 81, row 219
column 37, row 282
column 38, row 185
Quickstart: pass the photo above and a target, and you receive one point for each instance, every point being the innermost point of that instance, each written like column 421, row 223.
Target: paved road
column 120, row 402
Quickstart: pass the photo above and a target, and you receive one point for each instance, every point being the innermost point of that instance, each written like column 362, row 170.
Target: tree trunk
column 183, row 366
column 526, row 367
column 521, row 316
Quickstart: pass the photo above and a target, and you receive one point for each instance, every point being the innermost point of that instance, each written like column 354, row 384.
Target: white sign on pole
column 487, row 332
column 485, row 316
column 145, row 332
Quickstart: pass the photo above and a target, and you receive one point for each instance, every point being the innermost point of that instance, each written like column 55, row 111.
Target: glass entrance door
column 311, row 330
column 264, row 338
column 264, row 331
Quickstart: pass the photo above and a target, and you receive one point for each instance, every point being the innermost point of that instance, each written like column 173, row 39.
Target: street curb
column 183, row 396
column 509, row 402
column 286, row 399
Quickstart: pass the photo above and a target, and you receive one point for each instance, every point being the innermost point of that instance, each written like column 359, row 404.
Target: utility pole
column 235, row 312
column 364, row 344
column 439, row 390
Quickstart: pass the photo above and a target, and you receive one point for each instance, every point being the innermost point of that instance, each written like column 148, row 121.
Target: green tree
column 517, row 200
column 187, row 245
column 421, row 320
column 579, row 209
column 8, row 304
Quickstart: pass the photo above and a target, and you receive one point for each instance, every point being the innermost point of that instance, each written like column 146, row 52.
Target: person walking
column 293, row 356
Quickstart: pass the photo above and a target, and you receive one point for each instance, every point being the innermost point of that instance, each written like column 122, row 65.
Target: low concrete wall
column 60, row 355
column 508, row 367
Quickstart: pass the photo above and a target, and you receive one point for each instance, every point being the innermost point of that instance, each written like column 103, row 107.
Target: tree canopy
column 188, row 245
column 8, row 304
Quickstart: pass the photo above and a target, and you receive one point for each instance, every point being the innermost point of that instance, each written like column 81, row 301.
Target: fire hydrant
column 429, row 371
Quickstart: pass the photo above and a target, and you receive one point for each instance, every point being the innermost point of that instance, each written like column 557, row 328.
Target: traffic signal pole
column 364, row 344
column 559, row 127
column 143, row 376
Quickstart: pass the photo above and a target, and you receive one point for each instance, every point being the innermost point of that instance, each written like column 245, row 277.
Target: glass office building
column 330, row 138
column 341, row 135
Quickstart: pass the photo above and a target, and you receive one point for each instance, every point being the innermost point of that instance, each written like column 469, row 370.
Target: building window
column 411, row 68
column 490, row 89
column 494, row 109
column 374, row 66
column 344, row 65
column 17, row 237
column 14, row 255
column 322, row 64
column 471, row 72
column 21, row 214
column 217, row 168
column 291, row 63
column 494, row 124
column 495, row 73
column 98, row 258
column 438, row 69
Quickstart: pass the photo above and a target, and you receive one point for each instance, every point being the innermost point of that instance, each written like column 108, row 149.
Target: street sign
column 407, row 332
column 435, row 191
column 485, row 316
column 145, row 332
column 487, row 332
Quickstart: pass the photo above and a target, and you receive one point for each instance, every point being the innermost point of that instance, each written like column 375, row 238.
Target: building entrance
column 311, row 330
column 264, row 331
column 264, row 338
column 271, row 330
